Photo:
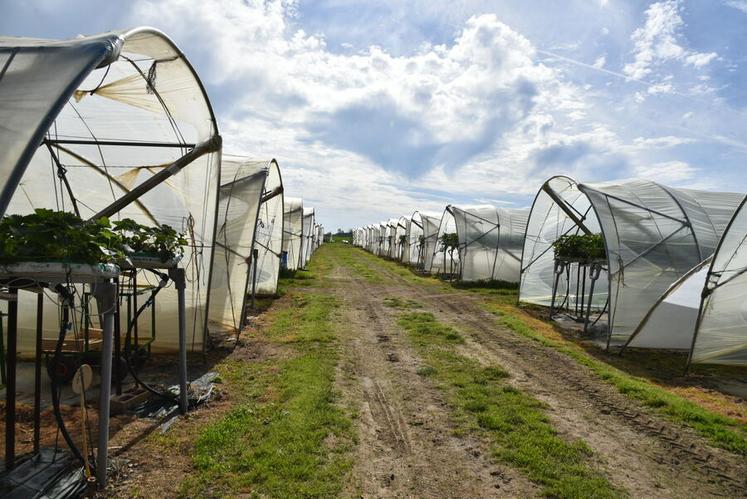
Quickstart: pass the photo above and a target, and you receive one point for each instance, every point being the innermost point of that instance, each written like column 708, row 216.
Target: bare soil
column 407, row 444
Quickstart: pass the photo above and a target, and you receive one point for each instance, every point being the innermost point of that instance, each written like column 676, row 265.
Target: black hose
column 67, row 303
column 128, row 340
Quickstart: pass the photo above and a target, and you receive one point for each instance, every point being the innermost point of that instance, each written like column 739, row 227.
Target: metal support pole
column 118, row 374
column 106, row 293
column 255, row 257
column 2, row 350
column 177, row 275
column 10, row 387
column 38, row 370
column 583, row 289
column 556, row 281
column 594, row 273
column 134, row 310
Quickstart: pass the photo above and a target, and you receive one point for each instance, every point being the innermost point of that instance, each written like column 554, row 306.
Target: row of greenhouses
column 637, row 263
column 126, row 228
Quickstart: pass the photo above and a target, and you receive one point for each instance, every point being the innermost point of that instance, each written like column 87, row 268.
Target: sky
column 375, row 109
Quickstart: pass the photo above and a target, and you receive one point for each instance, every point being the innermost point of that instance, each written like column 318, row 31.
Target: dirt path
column 639, row 452
column 406, row 444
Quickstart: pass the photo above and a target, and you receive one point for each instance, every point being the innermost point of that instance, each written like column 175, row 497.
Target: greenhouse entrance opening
column 652, row 235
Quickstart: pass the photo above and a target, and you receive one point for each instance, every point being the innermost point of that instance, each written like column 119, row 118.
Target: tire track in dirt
column 407, row 446
column 641, row 452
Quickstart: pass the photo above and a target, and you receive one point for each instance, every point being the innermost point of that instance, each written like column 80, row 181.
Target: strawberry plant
column 163, row 241
column 48, row 235
column 58, row 236
column 580, row 247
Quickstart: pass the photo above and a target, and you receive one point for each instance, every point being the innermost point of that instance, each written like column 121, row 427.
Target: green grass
column 722, row 431
column 516, row 425
column 286, row 436
column 347, row 258
column 377, row 264
column 401, row 303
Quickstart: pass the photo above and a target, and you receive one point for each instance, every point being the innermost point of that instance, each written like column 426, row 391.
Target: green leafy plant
column 450, row 241
column 580, row 247
column 48, row 235
column 163, row 241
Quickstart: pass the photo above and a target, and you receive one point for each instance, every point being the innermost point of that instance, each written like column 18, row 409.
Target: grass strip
column 515, row 423
column 721, row 431
column 286, row 436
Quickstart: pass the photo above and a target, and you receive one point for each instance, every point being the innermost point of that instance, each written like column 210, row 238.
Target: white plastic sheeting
column 268, row 238
column 429, row 225
column 670, row 322
column 391, row 238
column 653, row 235
column 113, row 110
column 445, row 261
column 383, row 244
column 400, row 238
column 490, row 241
column 307, row 246
column 293, row 233
column 721, row 337
column 241, row 187
column 412, row 248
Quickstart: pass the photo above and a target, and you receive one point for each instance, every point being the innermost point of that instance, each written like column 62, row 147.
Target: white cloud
column 700, row 59
column 661, row 142
column 737, row 4
column 366, row 134
column 658, row 40
column 660, row 88
column 667, row 172
column 346, row 126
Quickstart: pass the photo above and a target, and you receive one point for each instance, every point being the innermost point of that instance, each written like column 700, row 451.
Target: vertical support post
column 134, row 310
column 556, row 281
column 255, row 257
column 2, row 350
column 583, row 289
column 578, row 288
column 106, row 294
column 38, row 369
column 10, row 386
column 118, row 374
column 177, row 275
column 593, row 276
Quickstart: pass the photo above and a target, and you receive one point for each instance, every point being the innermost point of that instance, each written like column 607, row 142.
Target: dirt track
column 407, row 446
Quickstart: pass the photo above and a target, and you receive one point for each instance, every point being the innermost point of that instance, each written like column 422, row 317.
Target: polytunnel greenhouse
column 372, row 242
column 116, row 125
column 307, row 245
column 383, row 239
column 652, row 236
column 391, row 238
column 703, row 312
column 422, row 250
column 293, row 233
column 488, row 241
column 108, row 114
column 249, row 237
column 400, row 238
column 268, row 239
